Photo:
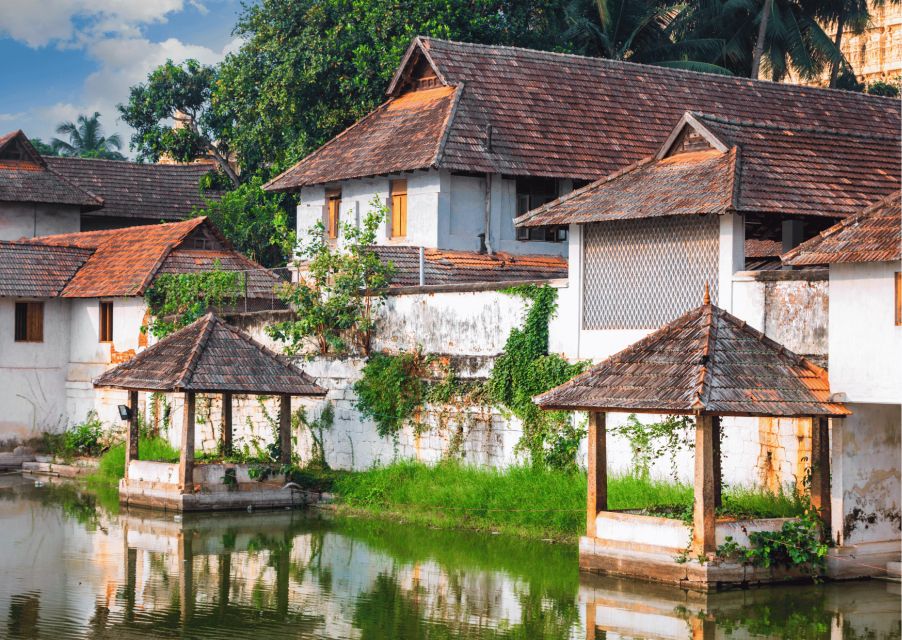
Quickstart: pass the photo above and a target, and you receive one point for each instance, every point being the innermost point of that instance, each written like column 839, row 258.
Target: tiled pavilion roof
column 213, row 357
column 705, row 362
column 874, row 235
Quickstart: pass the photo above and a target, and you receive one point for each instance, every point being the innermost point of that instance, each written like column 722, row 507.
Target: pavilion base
column 154, row 485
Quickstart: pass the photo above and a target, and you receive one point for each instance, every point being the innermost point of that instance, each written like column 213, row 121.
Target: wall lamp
column 125, row 412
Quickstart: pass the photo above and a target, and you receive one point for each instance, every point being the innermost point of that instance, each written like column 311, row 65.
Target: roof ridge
column 703, row 387
column 756, row 124
column 446, row 125
column 626, row 63
column 209, row 321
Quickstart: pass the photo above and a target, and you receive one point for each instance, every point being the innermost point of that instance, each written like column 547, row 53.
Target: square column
column 285, row 429
column 703, row 518
column 226, row 435
column 131, row 433
column 597, row 493
column 820, row 470
column 186, row 457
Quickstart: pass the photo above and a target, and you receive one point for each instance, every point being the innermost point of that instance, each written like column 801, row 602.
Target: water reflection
column 75, row 569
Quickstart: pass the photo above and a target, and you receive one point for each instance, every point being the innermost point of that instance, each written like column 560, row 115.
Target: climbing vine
column 649, row 442
column 175, row 300
column 391, row 389
column 525, row 369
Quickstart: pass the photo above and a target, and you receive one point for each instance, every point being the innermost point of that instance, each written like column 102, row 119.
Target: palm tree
column 86, row 139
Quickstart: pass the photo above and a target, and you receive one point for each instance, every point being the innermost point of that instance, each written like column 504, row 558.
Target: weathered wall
column 865, row 343
column 27, row 219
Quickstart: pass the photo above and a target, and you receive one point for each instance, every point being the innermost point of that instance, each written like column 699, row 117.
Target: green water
column 72, row 567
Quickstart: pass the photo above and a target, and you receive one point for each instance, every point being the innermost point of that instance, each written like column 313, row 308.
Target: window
column 533, row 193
column 898, row 298
column 333, row 205
column 398, row 208
column 106, row 321
column 29, row 322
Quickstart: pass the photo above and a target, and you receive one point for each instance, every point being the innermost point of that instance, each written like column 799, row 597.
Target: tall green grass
column 111, row 467
column 526, row 500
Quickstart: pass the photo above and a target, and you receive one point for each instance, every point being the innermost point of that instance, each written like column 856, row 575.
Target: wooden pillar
column 131, row 433
column 285, row 429
column 820, row 470
column 597, row 494
column 590, row 620
column 186, row 458
column 225, row 581
column 226, row 435
column 703, row 539
column 186, row 576
column 718, row 473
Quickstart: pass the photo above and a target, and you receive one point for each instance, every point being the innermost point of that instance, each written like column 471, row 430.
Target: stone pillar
column 718, row 473
column 703, row 539
column 131, row 433
column 186, row 458
column 597, row 494
column 226, row 435
column 820, row 470
column 285, row 429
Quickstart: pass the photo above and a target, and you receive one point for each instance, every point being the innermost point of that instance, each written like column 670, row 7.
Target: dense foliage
column 391, row 389
column 338, row 289
column 86, row 139
column 175, row 300
column 526, row 369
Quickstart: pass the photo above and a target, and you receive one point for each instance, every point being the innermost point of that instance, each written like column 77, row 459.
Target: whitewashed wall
column 26, row 220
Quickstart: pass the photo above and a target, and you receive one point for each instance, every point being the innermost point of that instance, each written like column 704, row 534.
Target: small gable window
column 29, row 322
column 333, row 212
column 106, row 321
column 398, row 209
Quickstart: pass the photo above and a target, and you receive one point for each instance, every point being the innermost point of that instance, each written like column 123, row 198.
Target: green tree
column 255, row 222
column 172, row 114
column 86, row 139
column 338, row 290
column 42, row 147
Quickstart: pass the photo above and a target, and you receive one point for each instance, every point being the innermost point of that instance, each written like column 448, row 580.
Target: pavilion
column 208, row 357
column 708, row 364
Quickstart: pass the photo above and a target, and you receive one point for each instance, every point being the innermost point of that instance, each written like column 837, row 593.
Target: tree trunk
column 759, row 43
column 224, row 165
column 834, row 71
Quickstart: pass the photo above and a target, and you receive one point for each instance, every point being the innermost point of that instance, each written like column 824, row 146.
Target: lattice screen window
column 641, row 274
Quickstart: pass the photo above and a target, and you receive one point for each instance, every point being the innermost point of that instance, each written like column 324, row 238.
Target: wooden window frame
column 105, row 333
column 898, row 297
column 398, row 197
column 333, row 216
column 29, row 321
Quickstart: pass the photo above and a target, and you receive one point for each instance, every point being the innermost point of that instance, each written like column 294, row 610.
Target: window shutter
column 35, row 321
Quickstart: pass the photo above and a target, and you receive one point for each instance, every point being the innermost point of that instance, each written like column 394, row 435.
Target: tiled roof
column 460, row 267
column 154, row 192
column 874, row 235
column 402, row 134
column 31, row 180
column 708, row 362
column 693, row 183
column 28, row 270
column 210, row 356
column 525, row 112
column 126, row 261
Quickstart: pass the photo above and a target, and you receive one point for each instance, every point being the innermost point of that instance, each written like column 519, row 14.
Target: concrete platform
column 75, row 469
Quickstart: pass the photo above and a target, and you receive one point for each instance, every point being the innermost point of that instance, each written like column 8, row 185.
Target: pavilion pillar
column 820, row 470
column 186, row 458
column 226, row 435
column 597, row 494
column 703, row 523
column 718, row 473
column 131, row 433
column 186, row 576
column 285, row 429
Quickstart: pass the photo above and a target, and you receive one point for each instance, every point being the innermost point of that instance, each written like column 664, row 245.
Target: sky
column 62, row 58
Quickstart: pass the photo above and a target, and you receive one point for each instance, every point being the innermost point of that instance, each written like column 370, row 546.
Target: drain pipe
column 422, row 266
column 487, row 222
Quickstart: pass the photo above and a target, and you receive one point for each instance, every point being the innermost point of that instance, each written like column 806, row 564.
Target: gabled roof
column 126, row 261
column 524, row 112
column 154, row 192
column 461, row 267
column 214, row 357
column 705, row 362
column 29, row 179
column 874, row 235
column 36, row 271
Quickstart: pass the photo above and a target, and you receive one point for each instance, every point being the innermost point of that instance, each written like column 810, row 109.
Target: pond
column 74, row 567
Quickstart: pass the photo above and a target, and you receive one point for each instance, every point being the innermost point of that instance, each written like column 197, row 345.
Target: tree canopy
column 86, row 139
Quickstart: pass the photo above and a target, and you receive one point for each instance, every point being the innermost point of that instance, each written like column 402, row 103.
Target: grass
column 112, row 463
column 525, row 501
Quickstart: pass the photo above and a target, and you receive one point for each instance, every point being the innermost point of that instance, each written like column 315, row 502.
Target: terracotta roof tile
column 874, row 235
column 154, row 192
column 707, row 361
column 210, row 356
column 36, row 271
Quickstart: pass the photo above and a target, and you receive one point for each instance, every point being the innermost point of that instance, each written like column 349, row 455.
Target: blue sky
column 66, row 57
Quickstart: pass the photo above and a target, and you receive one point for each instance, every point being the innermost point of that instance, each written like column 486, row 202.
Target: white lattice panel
column 641, row 274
